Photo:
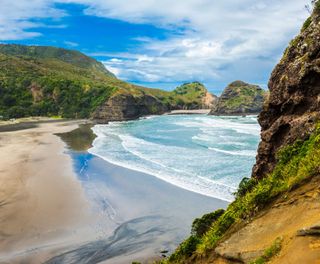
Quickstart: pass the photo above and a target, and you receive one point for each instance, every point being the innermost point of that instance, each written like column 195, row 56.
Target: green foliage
column 49, row 81
column 186, row 249
column 72, row 57
column 245, row 186
column 189, row 95
column 295, row 163
column 270, row 252
column 201, row 225
column 317, row 6
column 46, row 81
column 306, row 24
column 241, row 96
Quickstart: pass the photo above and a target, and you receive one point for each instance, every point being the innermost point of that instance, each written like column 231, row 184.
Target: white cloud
column 217, row 40
column 209, row 40
column 71, row 44
column 19, row 18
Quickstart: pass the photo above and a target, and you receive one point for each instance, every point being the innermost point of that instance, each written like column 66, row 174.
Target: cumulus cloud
column 209, row 40
column 216, row 40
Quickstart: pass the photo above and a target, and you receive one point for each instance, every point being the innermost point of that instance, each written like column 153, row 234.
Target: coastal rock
column 128, row 106
column 194, row 95
column 239, row 98
column 292, row 109
column 121, row 107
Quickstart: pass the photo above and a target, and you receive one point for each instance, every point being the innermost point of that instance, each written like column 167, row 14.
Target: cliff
column 239, row 98
column 292, row 109
column 128, row 105
column 125, row 106
column 275, row 215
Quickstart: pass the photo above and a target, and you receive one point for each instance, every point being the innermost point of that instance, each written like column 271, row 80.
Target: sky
column 165, row 43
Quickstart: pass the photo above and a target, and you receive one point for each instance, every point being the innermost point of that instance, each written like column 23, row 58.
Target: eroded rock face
column 121, row 107
column 293, row 107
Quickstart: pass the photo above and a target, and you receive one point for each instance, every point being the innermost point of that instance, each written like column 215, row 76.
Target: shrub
column 201, row 225
column 245, row 186
column 186, row 248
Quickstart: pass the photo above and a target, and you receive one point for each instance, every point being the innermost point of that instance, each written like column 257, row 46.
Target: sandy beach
column 68, row 206
column 40, row 197
column 189, row 112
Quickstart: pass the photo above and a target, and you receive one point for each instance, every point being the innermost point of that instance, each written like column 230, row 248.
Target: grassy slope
column 296, row 164
column 37, row 80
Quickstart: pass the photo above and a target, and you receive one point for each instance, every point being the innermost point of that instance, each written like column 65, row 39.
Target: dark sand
column 140, row 215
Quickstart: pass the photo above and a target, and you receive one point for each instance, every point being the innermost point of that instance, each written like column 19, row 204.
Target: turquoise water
column 204, row 154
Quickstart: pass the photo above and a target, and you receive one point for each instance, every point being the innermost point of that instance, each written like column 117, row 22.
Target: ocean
column 208, row 155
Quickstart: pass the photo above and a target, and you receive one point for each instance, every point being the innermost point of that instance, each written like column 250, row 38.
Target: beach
column 41, row 199
column 64, row 205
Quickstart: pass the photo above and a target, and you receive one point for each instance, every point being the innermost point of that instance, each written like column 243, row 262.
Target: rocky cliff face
column 209, row 101
column 121, row 107
column 126, row 105
column 293, row 107
column 239, row 98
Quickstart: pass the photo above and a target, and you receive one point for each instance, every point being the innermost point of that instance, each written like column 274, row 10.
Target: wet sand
column 140, row 215
column 67, row 206
column 41, row 199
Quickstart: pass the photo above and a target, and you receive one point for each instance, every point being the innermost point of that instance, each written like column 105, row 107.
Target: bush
column 245, row 186
column 201, row 225
column 186, row 248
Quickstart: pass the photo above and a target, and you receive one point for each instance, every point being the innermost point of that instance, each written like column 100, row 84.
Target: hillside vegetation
column 49, row 81
column 239, row 98
column 296, row 164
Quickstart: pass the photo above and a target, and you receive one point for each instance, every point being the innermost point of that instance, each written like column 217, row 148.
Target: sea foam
column 203, row 154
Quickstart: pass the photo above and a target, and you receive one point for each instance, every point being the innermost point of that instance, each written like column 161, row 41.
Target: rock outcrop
column 209, row 101
column 193, row 96
column 293, row 107
column 239, row 98
column 122, row 107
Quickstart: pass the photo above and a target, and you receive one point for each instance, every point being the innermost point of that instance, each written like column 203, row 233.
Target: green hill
column 239, row 98
column 49, row 81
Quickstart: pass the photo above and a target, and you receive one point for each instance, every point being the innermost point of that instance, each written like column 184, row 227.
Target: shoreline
column 92, row 200
column 189, row 112
column 156, row 176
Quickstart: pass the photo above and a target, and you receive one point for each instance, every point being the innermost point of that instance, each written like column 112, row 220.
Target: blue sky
column 163, row 43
